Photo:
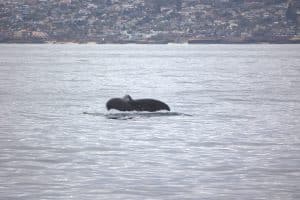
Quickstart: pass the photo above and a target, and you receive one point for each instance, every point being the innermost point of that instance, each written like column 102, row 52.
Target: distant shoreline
column 191, row 42
column 295, row 40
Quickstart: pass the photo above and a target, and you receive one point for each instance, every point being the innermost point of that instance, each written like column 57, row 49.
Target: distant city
column 150, row 21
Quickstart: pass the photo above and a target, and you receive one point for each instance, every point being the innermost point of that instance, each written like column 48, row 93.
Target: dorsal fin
column 127, row 97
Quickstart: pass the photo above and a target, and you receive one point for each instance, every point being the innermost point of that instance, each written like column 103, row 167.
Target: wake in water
column 133, row 115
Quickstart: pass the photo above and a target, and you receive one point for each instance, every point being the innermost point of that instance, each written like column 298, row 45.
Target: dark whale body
column 128, row 104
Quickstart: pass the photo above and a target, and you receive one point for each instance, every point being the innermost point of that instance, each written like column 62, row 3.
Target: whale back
column 128, row 104
column 119, row 104
column 150, row 105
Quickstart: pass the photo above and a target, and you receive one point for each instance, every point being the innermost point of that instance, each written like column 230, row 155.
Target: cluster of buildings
column 150, row 21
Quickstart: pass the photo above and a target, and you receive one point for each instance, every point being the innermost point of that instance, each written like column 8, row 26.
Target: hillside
column 149, row 21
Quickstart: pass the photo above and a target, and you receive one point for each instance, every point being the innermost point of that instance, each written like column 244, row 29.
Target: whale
column 128, row 104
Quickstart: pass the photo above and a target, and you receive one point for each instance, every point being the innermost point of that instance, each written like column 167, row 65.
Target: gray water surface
column 235, row 134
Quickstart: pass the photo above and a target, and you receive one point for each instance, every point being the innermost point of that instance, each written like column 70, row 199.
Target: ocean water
column 233, row 131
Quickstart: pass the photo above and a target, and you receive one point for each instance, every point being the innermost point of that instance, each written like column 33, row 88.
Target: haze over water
column 239, row 137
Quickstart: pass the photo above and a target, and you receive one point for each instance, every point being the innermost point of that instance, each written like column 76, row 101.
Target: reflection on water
column 234, row 132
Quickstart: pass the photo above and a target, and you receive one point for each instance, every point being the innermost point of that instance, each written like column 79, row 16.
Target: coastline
column 191, row 42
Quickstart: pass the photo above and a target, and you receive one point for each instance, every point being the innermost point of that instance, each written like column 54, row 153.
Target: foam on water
column 133, row 115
